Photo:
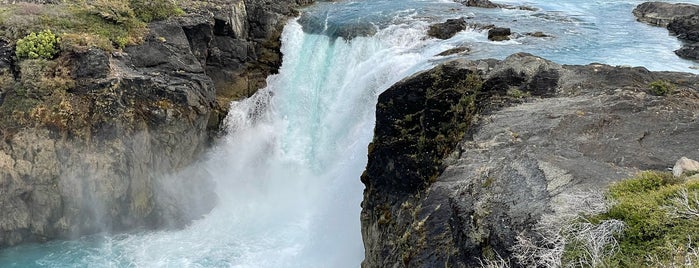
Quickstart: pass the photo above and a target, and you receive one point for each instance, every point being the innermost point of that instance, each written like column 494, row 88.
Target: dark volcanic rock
column 480, row 3
column 681, row 19
column 447, row 29
column 458, row 50
column 690, row 51
column 661, row 13
column 93, row 63
column 686, row 28
column 518, row 160
column 499, row 34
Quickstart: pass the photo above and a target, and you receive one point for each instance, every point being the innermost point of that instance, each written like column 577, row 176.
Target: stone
column 447, row 29
column 685, row 165
column 480, row 3
column 93, row 63
column 499, row 34
column 689, row 51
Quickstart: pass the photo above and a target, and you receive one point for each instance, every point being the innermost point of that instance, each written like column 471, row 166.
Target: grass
column 106, row 24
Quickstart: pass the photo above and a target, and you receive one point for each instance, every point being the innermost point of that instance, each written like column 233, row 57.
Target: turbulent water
column 288, row 171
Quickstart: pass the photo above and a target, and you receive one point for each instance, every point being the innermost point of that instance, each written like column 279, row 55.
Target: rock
column 107, row 146
column 689, row 51
column 457, row 50
column 685, row 165
column 686, row 28
column 538, row 34
column 93, row 63
column 514, row 161
column 447, row 29
column 661, row 13
column 499, row 34
column 480, row 3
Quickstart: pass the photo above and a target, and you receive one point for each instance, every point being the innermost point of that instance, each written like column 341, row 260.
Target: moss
column 41, row 78
column 106, row 24
column 151, row 10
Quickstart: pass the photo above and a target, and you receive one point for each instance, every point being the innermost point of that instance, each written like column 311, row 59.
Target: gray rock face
column 111, row 150
column 589, row 126
column 661, row 13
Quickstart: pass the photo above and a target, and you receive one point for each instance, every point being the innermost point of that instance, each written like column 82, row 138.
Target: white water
column 288, row 171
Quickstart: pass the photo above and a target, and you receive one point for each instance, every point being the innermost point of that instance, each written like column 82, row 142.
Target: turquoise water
column 288, row 171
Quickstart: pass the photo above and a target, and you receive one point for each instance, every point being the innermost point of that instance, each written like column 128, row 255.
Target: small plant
column 152, row 10
column 660, row 88
column 42, row 45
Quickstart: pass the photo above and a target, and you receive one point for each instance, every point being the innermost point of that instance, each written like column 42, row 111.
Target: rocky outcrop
column 94, row 141
column 681, row 20
column 449, row 184
column 662, row 13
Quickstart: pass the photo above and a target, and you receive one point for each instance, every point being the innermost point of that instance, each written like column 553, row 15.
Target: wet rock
column 689, row 51
column 499, row 34
column 480, row 3
column 686, row 28
column 661, row 13
column 584, row 128
column 447, row 29
column 458, row 50
column 538, row 34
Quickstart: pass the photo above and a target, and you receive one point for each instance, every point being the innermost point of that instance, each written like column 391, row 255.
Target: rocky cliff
column 96, row 140
column 471, row 154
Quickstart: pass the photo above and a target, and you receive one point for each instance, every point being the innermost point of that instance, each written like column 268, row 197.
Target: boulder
column 447, row 29
column 685, row 165
column 689, row 51
column 499, row 34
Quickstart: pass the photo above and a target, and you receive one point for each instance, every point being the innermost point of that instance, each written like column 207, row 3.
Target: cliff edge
column 471, row 155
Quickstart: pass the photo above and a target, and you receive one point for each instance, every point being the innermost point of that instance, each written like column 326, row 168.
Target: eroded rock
column 582, row 128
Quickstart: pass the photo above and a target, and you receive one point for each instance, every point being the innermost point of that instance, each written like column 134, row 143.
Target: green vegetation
column 660, row 88
column 660, row 226
column 106, row 24
column 660, row 214
column 42, row 45
column 151, row 10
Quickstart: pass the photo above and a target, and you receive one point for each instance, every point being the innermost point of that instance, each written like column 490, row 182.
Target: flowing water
column 288, row 171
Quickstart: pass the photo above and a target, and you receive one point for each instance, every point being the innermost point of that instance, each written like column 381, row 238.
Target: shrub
column 660, row 88
column 152, row 10
column 651, row 205
column 43, row 45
